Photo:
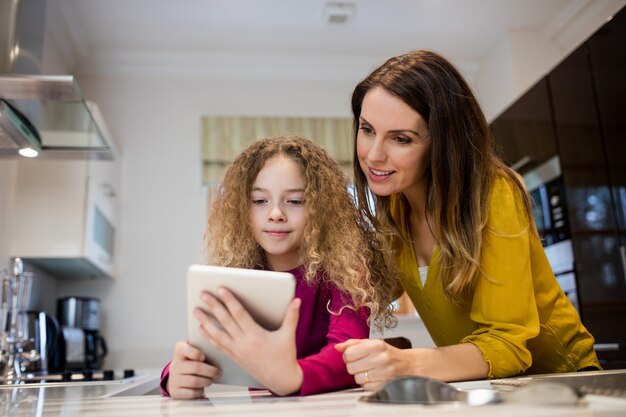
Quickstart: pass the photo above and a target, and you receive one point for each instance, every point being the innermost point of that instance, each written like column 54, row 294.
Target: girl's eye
column 258, row 201
column 296, row 202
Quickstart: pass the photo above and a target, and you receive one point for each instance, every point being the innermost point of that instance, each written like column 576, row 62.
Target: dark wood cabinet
column 525, row 131
column 607, row 53
column 578, row 113
column 592, row 211
column 607, row 58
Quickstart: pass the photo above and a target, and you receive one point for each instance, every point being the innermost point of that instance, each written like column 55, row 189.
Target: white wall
column 8, row 171
column 156, row 123
column 521, row 58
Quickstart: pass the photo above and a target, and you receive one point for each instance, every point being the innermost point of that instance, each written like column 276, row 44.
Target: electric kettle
column 38, row 339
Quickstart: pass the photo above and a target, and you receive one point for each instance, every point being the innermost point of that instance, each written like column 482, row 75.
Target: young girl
column 284, row 206
column 467, row 249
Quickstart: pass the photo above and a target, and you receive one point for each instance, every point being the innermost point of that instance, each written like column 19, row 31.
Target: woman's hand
column 269, row 356
column 189, row 374
column 373, row 362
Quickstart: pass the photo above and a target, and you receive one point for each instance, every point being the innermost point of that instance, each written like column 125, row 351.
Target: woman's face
column 393, row 144
column 277, row 216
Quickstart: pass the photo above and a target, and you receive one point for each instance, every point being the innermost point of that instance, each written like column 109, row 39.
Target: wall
column 520, row 59
column 8, row 170
column 157, row 124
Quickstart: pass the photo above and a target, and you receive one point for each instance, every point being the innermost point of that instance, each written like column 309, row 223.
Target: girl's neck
column 278, row 263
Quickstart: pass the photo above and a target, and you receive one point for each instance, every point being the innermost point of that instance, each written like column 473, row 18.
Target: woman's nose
column 376, row 151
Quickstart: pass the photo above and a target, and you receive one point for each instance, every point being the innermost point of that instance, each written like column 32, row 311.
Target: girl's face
column 277, row 217
column 393, row 144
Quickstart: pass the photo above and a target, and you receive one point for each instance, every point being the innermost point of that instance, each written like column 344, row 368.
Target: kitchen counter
column 138, row 397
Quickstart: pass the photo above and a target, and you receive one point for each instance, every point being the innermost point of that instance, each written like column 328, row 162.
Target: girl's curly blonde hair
column 337, row 242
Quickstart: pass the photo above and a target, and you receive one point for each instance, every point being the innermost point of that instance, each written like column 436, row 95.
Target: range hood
column 43, row 114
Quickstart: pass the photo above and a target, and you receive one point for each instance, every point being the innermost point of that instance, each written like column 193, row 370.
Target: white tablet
column 265, row 294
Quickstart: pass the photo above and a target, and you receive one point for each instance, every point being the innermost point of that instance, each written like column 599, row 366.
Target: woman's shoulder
column 507, row 211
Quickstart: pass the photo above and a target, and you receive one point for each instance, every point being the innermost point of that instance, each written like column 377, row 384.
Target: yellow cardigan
column 518, row 316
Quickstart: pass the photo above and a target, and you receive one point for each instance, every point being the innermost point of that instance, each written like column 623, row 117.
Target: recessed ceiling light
column 338, row 12
column 28, row 152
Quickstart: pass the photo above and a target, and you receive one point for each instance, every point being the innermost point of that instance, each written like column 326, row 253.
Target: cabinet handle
column 524, row 160
column 622, row 252
column 108, row 190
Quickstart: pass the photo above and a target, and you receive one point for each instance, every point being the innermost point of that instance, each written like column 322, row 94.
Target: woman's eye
column 258, row 201
column 402, row 140
column 366, row 129
column 295, row 202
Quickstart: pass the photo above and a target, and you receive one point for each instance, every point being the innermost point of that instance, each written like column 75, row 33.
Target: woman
column 461, row 226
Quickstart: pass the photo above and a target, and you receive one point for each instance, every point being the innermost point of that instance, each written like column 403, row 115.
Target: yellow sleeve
column 503, row 305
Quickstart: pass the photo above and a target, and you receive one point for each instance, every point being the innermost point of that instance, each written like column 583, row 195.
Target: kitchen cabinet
column 585, row 128
column 592, row 206
column 525, row 131
column 65, row 214
column 608, row 65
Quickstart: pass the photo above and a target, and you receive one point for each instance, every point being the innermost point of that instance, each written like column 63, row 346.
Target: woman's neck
column 420, row 226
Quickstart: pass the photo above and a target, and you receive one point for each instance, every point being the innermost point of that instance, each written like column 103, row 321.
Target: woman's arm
column 373, row 362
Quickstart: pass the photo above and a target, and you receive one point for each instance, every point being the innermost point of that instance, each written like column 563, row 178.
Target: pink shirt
column 317, row 333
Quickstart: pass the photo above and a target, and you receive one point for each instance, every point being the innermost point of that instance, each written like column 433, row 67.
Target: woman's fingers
column 341, row 347
column 366, row 359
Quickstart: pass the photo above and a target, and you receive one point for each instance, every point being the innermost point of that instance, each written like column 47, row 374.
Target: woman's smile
column 378, row 175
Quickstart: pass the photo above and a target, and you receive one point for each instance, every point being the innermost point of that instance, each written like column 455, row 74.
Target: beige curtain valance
column 224, row 137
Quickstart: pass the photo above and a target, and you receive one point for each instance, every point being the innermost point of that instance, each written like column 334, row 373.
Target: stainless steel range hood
column 42, row 113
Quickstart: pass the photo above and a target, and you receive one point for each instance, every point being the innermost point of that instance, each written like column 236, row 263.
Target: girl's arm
column 325, row 371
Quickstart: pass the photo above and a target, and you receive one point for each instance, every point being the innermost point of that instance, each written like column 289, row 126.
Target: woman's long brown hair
column 463, row 166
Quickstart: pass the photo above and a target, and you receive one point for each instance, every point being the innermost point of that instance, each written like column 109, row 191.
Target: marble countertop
column 138, row 397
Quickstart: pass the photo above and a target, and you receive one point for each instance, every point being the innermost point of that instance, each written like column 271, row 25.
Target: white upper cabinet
column 65, row 217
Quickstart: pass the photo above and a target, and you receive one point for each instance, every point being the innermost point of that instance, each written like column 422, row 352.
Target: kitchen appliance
column 42, row 115
column 14, row 296
column 85, row 348
column 545, row 184
column 38, row 333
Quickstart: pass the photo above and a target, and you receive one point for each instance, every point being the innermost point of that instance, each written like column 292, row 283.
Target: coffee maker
column 79, row 318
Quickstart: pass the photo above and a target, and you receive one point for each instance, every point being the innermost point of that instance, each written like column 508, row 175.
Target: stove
column 77, row 376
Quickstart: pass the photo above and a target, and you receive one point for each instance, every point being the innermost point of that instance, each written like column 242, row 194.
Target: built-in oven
column 546, row 187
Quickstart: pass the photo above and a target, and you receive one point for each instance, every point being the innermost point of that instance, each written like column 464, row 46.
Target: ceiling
column 282, row 38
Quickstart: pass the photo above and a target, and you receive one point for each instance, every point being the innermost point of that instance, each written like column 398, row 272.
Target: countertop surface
column 138, row 397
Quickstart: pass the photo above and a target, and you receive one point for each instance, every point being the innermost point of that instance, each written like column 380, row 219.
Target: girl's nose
column 276, row 214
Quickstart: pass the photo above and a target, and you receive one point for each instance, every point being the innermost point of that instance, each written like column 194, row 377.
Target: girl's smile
column 277, row 214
